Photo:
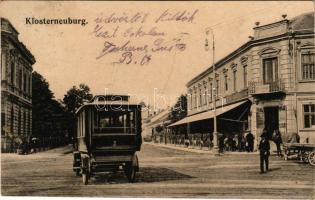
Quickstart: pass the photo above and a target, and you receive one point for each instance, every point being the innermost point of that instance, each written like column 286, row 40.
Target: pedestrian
column 264, row 149
column 250, row 141
column 235, row 142
column 241, row 142
column 221, row 142
column 278, row 141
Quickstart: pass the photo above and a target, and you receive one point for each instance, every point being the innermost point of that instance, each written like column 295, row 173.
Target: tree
column 75, row 97
column 179, row 110
column 41, row 98
column 49, row 116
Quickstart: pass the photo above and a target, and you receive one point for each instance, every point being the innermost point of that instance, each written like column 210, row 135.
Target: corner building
column 269, row 82
column 16, row 88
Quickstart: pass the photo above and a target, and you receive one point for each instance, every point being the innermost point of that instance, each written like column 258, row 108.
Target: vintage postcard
column 159, row 99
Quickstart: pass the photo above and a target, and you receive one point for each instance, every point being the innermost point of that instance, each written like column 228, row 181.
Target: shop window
column 309, row 115
column 270, row 70
column 308, row 67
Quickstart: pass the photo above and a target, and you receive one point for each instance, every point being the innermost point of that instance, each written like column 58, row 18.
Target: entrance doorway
column 271, row 119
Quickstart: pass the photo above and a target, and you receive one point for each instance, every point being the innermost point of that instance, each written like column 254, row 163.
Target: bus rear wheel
column 131, row 169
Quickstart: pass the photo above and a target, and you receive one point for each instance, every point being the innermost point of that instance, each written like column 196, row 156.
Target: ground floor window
column 309, row 115
column 2, row 123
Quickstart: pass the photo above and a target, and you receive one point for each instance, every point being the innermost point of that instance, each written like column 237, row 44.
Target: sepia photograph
column 158, row 99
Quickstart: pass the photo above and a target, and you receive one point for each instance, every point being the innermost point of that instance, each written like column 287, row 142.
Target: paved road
column 164, row 172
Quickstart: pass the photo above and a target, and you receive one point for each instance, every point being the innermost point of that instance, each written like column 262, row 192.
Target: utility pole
column 215, row 132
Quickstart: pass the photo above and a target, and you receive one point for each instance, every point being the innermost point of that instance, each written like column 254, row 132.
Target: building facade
column 16, row 88
column 270, row 80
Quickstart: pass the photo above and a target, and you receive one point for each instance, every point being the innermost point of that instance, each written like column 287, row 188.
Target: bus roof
column 101, row 100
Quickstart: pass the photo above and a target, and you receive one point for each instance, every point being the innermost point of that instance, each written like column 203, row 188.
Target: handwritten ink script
column 136, row 37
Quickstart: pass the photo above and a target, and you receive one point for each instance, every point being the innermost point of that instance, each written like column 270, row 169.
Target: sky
column 161, row 63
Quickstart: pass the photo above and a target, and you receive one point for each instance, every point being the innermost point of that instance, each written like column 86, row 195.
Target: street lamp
column 215, row 133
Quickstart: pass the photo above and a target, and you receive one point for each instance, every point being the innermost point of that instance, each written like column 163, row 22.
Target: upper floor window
column 234, row 80
column 270, row 70
column 309, row 115
column 20, row 79
column 308, row 68
column 217, row 88
column 25, row 83
column 210, row 90
column 245, row 75
column 30, row 84
column 200, row 97
column 195, row 102
column 226, row 82
column 12, row 73
column 190, row 99
column 206, row 96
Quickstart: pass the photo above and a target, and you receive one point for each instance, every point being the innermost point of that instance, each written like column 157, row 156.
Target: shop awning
column 207, row 114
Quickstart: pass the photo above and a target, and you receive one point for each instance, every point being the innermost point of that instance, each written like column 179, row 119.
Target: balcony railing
column 237, row 96
column 260, row 88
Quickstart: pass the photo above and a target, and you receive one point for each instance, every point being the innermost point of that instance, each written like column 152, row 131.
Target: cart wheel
column 85, row 178
column 311, row 158
column 305, row 157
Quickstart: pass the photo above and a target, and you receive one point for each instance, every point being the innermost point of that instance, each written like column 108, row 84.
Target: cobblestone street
column 164, row 172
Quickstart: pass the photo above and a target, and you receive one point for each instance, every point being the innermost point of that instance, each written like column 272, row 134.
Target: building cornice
column 246, row 46
column 20, row 46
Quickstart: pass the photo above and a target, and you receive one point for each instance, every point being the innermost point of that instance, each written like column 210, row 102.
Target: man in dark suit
column 264, row 149
column 250, row 141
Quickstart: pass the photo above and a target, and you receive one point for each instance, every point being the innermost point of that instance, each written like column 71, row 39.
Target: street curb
column 182, row 148
column 200, row 150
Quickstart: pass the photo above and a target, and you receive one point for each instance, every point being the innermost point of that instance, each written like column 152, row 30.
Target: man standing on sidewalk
column 250, row 141
column 264, row 148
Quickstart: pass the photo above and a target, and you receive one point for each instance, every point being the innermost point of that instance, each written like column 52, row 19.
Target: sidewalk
column 204, row 150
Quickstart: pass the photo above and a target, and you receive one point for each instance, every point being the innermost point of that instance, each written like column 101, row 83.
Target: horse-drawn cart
column 303, row 151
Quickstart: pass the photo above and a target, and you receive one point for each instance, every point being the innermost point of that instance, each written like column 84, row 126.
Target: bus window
column 114, row 122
